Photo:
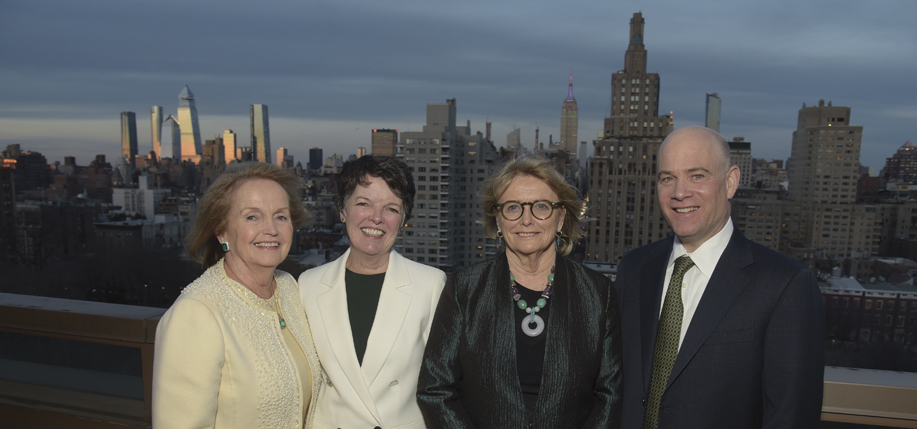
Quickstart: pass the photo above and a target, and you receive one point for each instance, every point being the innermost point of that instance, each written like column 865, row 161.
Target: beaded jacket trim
column 255, row 322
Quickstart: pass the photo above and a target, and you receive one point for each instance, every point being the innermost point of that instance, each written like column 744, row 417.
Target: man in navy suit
column 737, row 339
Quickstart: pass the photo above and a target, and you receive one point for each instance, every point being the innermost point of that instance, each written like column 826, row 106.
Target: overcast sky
column 332, row 71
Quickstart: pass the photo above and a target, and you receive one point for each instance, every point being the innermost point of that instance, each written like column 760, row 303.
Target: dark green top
column 363, row 292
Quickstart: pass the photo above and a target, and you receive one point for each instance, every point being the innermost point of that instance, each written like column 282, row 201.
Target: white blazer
column 383, row 392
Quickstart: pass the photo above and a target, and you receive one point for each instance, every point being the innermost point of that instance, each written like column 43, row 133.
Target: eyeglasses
column 541, row 209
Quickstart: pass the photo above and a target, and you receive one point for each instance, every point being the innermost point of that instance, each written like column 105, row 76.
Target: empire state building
column 569, row 122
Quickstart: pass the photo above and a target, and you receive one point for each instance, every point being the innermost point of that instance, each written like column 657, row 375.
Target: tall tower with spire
column 622, row 213
column 635, row 93
column 569, row 121
column 190, row 128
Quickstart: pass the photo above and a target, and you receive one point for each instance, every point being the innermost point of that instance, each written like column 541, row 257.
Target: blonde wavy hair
column 540, row 168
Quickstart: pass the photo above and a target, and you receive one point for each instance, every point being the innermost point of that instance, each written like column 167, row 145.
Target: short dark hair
column 396, row 174
column 539, row 168
column 202, row 245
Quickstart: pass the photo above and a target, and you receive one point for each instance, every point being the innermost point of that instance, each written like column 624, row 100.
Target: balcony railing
column 870, row 397
column 66, row 363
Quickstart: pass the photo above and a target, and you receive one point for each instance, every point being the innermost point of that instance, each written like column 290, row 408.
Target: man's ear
column 732, row 181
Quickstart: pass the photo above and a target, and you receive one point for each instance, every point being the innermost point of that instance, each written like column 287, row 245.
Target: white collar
column 708, row 254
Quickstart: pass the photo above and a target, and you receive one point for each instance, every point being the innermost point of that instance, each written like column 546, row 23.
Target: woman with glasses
column 530, row 338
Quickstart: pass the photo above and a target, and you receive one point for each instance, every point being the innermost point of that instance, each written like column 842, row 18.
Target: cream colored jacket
column 221, row 361
column 383, row 391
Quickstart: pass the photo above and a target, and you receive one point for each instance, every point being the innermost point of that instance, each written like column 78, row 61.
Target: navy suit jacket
column 753, row 354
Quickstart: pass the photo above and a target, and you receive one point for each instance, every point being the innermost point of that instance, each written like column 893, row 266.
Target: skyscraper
column 229, row 145
column 622, row 211
column 583, row 154
column 450, row 165
column 635, row 93
column 156, row 126
column 173, row 149
column 569, row 123
column 190, row 128
column 740, row 155
column 316, row 159
column 7, row 209
column 513, row 139
column 712, row 114
column 902, row 166
column 822, row 170
column 281, row 155
column 213, row 152
column 261, row 133
column 825, row 146
column 128, row 137
column 384, row 141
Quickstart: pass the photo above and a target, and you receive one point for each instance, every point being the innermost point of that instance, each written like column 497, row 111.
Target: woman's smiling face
column 528, row 234
column 258, row 229
column 373, row 215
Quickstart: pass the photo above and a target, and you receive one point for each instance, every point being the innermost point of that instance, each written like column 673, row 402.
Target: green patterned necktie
column 667, row 339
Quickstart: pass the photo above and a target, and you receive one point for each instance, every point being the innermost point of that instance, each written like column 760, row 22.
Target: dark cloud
column 332, row 67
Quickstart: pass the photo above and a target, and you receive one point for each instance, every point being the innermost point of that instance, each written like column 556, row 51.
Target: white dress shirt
column 695, row 281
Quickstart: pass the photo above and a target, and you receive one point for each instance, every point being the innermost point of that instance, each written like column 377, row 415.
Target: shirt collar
column 708, row 254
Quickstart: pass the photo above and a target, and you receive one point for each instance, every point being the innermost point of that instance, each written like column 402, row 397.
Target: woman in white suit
column 371, row 309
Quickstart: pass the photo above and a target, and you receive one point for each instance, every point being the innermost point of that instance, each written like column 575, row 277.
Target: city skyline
column 329, row 85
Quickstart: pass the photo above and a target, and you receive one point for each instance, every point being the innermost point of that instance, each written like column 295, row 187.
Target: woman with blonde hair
column 530, row 338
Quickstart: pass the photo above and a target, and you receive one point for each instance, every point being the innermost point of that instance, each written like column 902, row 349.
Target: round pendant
column 539, row 325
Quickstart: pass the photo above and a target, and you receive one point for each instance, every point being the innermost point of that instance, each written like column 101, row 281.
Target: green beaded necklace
column 533, row 318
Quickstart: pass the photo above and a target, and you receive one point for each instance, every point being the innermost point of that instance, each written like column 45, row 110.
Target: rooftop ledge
column 870, row 397
column 858, row 396
column 79, row 318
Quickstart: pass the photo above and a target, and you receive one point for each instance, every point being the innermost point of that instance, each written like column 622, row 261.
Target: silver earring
column 499, row 239
column 224, row 245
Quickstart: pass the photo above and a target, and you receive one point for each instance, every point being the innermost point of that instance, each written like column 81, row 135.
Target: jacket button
column 330, row 384
column 644, row 402
column 393, row 383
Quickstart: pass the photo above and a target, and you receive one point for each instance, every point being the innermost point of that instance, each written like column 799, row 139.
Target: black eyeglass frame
column 554, row 205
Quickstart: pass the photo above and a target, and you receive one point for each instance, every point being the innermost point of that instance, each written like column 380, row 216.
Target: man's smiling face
column 694, row 184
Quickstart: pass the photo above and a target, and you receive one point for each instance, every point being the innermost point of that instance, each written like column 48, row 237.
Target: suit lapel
column 332, row 306
column 503, row 340
column 556, row 355
column 726, row 283
column 390, row 314
column 652, row 278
